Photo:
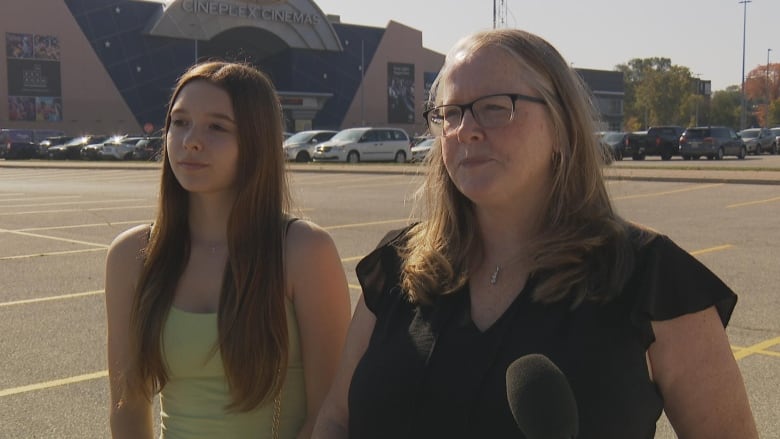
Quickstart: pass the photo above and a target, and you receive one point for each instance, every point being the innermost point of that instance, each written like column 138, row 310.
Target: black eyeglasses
column 490, row 111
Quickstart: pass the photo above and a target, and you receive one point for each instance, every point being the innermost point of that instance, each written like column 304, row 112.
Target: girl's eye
column 178, row 122
column 217, row 127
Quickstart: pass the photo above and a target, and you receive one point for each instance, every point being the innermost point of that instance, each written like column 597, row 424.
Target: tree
column 656, row 92
column 762, row 90
column 726, row 107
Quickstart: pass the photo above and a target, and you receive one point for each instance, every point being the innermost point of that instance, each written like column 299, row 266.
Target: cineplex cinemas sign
column 252, row 12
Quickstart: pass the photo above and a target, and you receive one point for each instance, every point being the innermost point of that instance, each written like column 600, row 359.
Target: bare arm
column 692, row 363
column 322, row 306
column 333, row 420
column 130, row 417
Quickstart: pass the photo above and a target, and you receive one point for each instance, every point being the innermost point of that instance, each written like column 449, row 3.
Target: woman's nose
column 469, row 129
column 191, row 139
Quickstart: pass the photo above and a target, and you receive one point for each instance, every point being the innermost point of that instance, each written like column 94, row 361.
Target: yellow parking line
column 372, row 223
column 750, row 203
column 71, row 203
column 676, row 191
column 94, row 209
column 35, row 255
column 49, row 298
column 54, row 238
column 59, row 197
column 711, row 249
column 78, row 226
column 756, row 348
column 53, row 383
column 762, row 352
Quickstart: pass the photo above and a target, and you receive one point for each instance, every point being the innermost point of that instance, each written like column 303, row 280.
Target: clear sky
column 703, row 35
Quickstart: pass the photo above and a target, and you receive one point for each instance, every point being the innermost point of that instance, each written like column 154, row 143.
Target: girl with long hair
column 229, row 308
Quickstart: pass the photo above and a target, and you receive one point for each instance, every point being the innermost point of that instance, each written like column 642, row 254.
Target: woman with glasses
column 519, row 251
column 229, row 308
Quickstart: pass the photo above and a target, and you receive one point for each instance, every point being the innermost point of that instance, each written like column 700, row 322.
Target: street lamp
column 768, row 90
column 743, row 116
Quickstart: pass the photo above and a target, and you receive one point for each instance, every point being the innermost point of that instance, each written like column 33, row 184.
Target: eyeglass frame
column 469, row 106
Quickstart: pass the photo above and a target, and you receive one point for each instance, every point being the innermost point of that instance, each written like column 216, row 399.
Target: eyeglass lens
column 489, row 112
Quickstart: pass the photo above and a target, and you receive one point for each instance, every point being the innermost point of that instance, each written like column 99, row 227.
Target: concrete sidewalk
column 763, row 172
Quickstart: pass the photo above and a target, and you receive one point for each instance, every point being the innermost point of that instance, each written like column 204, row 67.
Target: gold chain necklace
column 494, row 276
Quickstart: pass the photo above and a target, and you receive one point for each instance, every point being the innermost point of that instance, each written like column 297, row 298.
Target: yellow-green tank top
column 193, row 401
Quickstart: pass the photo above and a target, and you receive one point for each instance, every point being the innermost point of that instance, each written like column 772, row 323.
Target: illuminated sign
column 223, row 8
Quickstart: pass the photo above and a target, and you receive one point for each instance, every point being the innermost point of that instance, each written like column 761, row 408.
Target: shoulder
column 129, row 245
column 124, row 260
column 305, row 239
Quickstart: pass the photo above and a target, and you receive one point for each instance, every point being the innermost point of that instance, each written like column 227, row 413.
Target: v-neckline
column 506, row 314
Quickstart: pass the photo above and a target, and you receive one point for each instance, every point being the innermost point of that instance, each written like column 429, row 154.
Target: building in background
column 108, row 66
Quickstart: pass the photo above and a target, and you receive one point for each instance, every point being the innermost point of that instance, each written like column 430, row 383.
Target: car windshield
column 749, row 134
column 613, row 137
column 351, row 135
column 301, row 137
column 78, row 141
column 697, row 134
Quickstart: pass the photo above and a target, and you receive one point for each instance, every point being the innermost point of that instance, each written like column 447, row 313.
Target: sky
column 703, row 35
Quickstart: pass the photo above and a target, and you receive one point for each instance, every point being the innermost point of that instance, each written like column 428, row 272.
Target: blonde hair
column 252, row 325
column 583, row 249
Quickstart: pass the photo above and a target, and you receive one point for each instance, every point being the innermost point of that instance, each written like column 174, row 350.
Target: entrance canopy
column 299, row 23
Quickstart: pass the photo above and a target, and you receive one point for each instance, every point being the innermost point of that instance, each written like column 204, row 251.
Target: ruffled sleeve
column 379, row 272
column 669, row 282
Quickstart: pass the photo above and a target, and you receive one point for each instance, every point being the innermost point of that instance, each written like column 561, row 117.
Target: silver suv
column 758, row 140
column 711, row 142
column 355, row 145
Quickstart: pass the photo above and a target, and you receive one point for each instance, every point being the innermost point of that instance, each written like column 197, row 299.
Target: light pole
column 362, row 85
column 768, row 90
column 743, row 116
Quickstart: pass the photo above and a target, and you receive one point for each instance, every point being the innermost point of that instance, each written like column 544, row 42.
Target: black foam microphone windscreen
column 541, row 399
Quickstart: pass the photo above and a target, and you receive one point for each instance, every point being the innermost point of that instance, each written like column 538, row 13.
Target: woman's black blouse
column 428, row 372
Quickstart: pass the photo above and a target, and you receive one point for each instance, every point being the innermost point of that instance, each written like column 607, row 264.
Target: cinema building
column 109, row 66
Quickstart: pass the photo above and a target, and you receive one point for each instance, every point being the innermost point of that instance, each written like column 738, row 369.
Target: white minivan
column 355, row 145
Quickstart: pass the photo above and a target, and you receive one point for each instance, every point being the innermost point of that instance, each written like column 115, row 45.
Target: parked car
column 421, row 150
column 758, row 140
column 17, row 144
column 663, row 141
column 614, row 142
column 300, row 146
column 711, row 142
column 20, row 135
column 354, row 145
column 118, row 149
column 44, row 145
column 91, row 151
column 776, row 134
column 72, row 149
column 148, row 148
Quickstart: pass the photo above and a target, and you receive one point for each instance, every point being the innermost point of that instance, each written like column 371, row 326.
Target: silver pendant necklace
column 494, row 276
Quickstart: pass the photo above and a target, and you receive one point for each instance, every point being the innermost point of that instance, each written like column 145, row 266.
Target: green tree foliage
column 657, row 92
column 726, row 107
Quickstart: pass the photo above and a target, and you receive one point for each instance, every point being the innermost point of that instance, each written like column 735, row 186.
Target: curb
column 745, row 176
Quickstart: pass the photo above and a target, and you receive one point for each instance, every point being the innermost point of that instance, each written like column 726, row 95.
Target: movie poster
column 400, row 93
column 34, row 88
column 428, row 78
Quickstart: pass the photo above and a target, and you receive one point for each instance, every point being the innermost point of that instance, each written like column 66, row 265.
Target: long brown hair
column 583, row 250
column 252, row 322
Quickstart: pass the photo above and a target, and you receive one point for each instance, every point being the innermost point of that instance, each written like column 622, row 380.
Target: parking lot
column 56, row 224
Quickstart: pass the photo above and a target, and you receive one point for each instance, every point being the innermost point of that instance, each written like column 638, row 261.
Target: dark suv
column 659, row 140
column 712, row 142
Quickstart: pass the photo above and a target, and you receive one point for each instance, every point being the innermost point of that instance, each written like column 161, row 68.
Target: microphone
column 541, row 399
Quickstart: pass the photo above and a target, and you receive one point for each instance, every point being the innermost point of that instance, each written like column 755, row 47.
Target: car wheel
column 400, row 157
column 666, row 156
column 710, row 157
column 758, row 150
column 353, row 157
column 686, row 157
column 720, row 154
column 638, row 157
column 742, row 152
column 774, row 149
column 302, row 157
column 618, row 154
